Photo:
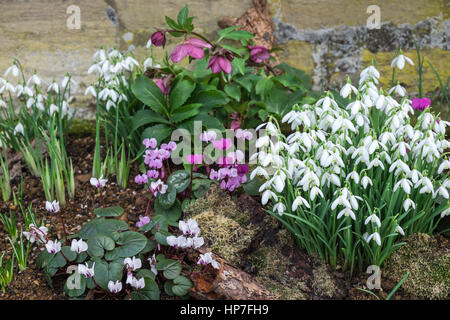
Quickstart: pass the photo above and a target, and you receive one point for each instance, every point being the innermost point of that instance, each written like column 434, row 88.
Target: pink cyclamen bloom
column 143, row 221
column 160, row 83
column 421, row 103
column 150, row 143
column 195, row 158
column 244, row 134
column 259, row 53
column 192, row 47
column 224, row 144
column 141, row 179
column 153, row 174
column 219, row 63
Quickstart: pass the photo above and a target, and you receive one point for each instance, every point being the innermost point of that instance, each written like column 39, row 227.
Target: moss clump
column 276, row 271
column 224, row 236
column 82, row 128
column 428, row 261
column 323, row 283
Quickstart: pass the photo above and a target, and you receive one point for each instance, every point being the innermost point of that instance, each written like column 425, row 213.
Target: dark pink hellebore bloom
column 219, row 63
column 259, row 53
column 158, row 39
column 160, row 83
column 192, row 47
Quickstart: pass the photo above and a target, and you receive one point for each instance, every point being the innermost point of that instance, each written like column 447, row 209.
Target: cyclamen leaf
column 179, row 180
column 109, row 212
column 98, row 244
column 105, row 272
column 171, row 268
column 131, row 243
column 181, row 286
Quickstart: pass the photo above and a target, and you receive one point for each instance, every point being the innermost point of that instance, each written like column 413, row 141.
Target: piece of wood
column 227, row 283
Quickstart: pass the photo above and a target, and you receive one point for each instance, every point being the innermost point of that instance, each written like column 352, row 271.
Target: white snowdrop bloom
column 326, row 103
column 354, row 201
column 369, row 73
column 355, row 107
column 110, row 104
column 279, row 181
column 374, row 219
column 14, row 70
column 260, row 172
column 445, row 213
column 442, row 191
column 341, row 200
column 426, row 184
column 402, row 148
column 34, row 79
column 375, row 163
column 376, row 237
column 8, row 87
column 365, row 181
column 408, row 203
column 95, row 68
column 400, row 167
column 347, row 89
column 347, row 212
column 314, row 192
column 148, row 63
column 90, row 90
column 268, row 195
column 399, row 229
column 400, row 60
column 405, row 184
column 53, row 86
column 19, row 129
column 398, row 89
column 445, row 165
column 148, row 44
column 299, row 201
column 280, row 208
column 414, row 175
column 53, row 109
column 353, row 175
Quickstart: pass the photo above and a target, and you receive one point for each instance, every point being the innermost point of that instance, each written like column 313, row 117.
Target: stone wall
column 327, row 38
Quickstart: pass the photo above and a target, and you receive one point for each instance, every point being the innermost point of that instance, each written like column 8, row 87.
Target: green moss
column 82, row 128
column 428, row 261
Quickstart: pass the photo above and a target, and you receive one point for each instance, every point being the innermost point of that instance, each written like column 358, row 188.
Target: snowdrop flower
column 53, row 109
column 78, row 246
column 114, row 287
column 442, row 191
column 280, row 208
column 408, row 203
column 54, row 86
column 398, row 89
column 313, row 193
column 405, row 184
column 268, row 195
column 365, row 181
column 86, row 271
column 346, row 212
column 400, row 230
column 208, row 259
column 374, row 219
column 400, row 60
column 427, row 185
column 341, row 200
column 132, row 263
column 35, row 79
column 445, row 213
column 14, row 70
column 376, row 237
column 353, row 175
column 347, row 89
column 53, row 247
column 19, row 129
column 445, row 165
column 52, row 207
column 299, row 200
column 99, row 183
column 189, row 228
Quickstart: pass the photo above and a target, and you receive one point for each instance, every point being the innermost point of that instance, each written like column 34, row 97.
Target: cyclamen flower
column 224, row 144
column 141, row 179
column 150, row 143
column 244, row 134
column 152, row 261
column 52, row 207
column 206, row 259
column 134, row 282
column 208, row 136
column 99, row 183
column 259, row 53
column 158, row 187
column 420, row 104
column 114, row 287
column 78, row 246
column 86, row 271
column 143, row 221
column 53, row 247
column 36, row 233
column 189, row 228
column 192, row 47
column 218, row 64
column 132, row 263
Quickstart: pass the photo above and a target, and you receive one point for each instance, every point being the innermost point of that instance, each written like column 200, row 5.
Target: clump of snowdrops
column 353, row 177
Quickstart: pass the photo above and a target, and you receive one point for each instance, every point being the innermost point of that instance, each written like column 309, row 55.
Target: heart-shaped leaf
column 179, row 180
column 170, row 268
column 105, row 272
column 181, row 286
column 131, row 243
column 98, row 244
column 109, row 212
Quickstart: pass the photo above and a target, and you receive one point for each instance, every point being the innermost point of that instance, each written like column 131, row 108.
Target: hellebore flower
column 99, row 183
column 86, row 271
column 158, row 39
column 114, row 287
column 219, row 63
column 165, row 88
column 133, row 263
column 192, row 47
column 259, row 53
column 420, row 104
column 53, row 247
column 143, row 221
column 52, row 207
